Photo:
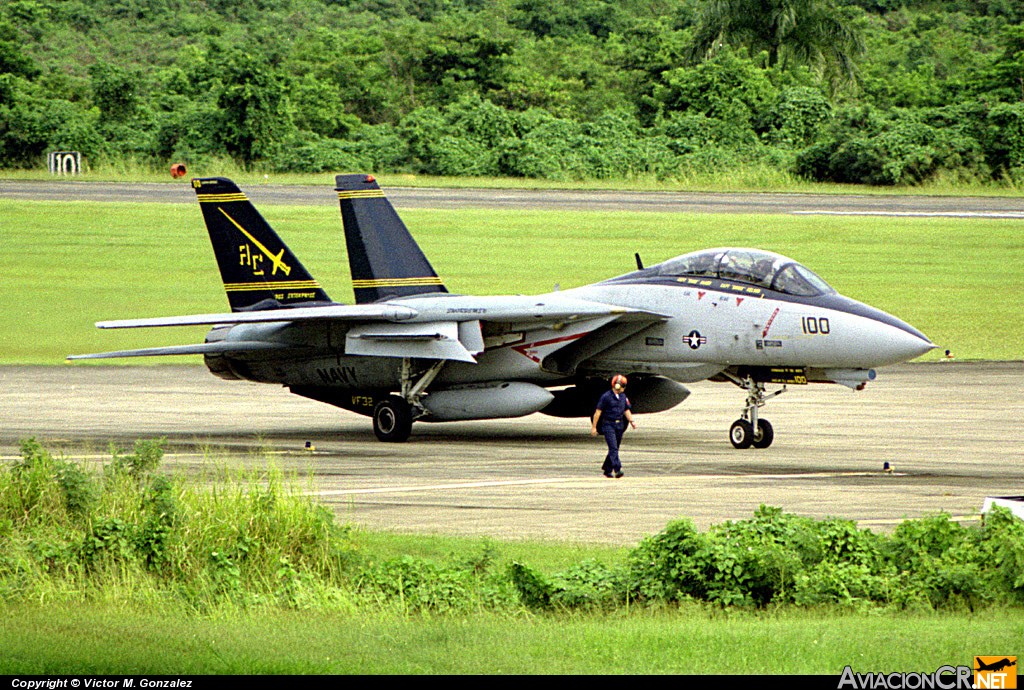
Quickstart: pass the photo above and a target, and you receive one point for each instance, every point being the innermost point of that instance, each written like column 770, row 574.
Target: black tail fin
column 384, row 258
column 258, row 270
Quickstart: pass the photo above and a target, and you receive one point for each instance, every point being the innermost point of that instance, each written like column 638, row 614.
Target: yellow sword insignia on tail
column 276, row 260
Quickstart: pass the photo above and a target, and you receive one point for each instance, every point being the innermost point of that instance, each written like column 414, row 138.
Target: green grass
column 112, row 639
column 67, row 265
column 546, row 556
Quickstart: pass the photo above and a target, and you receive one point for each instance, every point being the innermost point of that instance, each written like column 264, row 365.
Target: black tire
column 741, row 434
column 392, row 420
column 765, row 434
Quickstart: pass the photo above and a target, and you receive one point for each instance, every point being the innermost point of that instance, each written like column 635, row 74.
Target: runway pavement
column 576, row 200
column 951, row 431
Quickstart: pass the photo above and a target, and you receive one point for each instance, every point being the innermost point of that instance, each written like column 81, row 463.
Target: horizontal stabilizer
column 339, row 312
column 202, row 349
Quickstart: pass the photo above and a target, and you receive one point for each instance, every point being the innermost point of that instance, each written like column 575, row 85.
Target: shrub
column 756, row 561
column 534, row 591
column 840, row 583
column 419, row 585
column 900, row 148
column 249, row 540
column 796, row 118
column 1005, row 137
column 34, row 125
column 467, row 137
column 144, row 460
column 43, row 491
column 664, row 566
column 68, row 530
column 159, row 508
column 590, row 584
column 1001, row 547
column 368, row 148
column 778, row 558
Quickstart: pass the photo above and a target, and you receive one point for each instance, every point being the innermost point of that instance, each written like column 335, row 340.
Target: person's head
column 619, row 382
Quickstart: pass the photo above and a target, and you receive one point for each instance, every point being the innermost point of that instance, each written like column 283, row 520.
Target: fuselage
column 708, row 324
column 736, row 324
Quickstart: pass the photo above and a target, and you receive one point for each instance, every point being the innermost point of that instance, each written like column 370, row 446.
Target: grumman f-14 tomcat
column 410, row 351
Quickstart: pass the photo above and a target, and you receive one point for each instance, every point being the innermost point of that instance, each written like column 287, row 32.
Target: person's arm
column 593, row 427
column 629, row 417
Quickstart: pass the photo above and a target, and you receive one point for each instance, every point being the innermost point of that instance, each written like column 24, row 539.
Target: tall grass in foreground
column 253, row 541
column 133, row 534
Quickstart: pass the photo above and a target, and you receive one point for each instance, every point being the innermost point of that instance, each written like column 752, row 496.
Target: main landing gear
column 392, row 419
column 393, row 416
column 751, row 431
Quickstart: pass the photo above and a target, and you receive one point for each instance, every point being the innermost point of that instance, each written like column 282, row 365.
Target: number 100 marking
column 815, row 326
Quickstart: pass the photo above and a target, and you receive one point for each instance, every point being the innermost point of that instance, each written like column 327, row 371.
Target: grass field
column 114, row 639
column 66, row 265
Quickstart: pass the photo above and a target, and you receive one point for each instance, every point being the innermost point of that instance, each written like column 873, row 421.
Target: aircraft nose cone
column 889, row 340
column 902, row 343
column 915, row 346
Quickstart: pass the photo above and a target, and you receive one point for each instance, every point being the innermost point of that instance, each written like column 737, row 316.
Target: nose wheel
column 750, row 431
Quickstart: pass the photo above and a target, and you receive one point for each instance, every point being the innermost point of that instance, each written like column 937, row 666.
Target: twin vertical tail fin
column 384, row 259
column 260, row 272
column 258, row 269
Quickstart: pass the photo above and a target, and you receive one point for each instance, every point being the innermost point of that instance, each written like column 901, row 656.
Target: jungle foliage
column 879, row 92
column 71, row 534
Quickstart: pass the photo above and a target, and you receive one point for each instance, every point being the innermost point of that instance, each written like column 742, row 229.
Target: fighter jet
column 999, row 665
column 409, row 351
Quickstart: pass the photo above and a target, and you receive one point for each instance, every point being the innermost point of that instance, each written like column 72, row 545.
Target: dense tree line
column 864, row 91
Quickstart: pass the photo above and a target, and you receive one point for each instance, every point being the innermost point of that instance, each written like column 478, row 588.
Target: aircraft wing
column 340, row 312
column 513, row 309
column 454, row 327
column 519, row 309
column 201, row 349
column 445, row 327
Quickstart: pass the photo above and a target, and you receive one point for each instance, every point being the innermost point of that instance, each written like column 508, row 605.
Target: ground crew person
column 610, row 418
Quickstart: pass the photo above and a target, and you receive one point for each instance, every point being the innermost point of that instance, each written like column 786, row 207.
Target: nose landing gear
column 751, row 431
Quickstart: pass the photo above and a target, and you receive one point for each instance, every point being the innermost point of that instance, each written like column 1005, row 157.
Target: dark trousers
column 613, row 430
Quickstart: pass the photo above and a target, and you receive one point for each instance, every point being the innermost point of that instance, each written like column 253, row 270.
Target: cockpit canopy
column 753, row 266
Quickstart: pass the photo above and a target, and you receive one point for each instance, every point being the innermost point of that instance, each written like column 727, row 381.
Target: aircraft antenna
column 639, row 263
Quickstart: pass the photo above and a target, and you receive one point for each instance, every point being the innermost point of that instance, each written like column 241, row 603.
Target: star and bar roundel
column 694, row 339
